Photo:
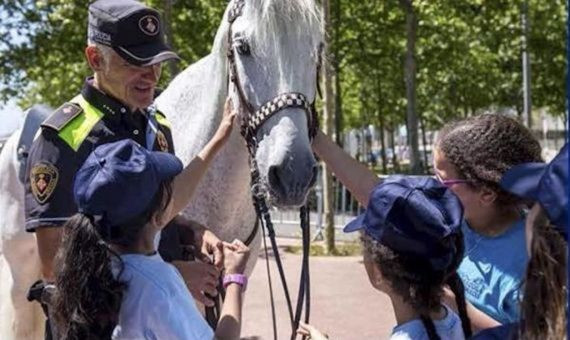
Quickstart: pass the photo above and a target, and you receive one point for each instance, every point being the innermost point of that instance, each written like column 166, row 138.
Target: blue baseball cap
column 414, row 216
column 545, row 183
column 118, row 180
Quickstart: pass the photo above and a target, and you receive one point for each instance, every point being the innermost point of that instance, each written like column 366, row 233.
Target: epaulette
column 62, row 116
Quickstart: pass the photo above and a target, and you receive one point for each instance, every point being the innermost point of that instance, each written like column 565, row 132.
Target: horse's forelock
column 270, row 17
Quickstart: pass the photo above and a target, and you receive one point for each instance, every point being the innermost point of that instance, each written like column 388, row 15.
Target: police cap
column 133, row 30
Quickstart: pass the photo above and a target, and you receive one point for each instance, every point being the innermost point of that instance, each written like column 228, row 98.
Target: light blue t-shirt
column 448, row 328
column 493, row 269
column 156, row 303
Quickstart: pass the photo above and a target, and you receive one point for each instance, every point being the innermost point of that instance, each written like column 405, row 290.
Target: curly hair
column 482, row 148
column 414, row 279
column 543, row 308
column 87, row 300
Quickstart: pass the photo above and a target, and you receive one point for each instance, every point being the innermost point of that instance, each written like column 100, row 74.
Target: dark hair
column 543, row 309
column 88, row 296
column 482, row 148
column 413, row 278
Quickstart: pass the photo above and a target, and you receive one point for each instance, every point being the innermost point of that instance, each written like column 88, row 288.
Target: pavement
column 343, row 303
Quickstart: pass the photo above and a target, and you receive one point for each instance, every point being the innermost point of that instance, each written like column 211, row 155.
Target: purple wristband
column 240, row 279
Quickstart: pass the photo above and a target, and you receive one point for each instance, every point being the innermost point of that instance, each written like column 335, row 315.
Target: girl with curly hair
column 470, row 157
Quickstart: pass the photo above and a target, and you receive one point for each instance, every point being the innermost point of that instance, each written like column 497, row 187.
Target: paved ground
column 343, row 302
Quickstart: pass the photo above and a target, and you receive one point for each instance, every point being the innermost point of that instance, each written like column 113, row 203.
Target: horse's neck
column 193, row 102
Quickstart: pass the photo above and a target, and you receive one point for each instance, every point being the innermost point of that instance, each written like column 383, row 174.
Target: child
column 411, row 233
column 111, row 283
column 470, row 157
column 543, row 309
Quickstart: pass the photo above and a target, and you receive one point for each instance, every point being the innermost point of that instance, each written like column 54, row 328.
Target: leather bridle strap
column 250, row 124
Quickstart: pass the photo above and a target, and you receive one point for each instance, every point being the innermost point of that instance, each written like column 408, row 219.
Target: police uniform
column 68, row 136
column 92, row 118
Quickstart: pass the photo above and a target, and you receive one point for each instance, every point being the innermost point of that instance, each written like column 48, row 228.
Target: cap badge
column 150, row 25
column 43, row 179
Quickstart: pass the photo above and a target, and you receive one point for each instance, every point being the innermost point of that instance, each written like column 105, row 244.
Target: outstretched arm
column 187, row 181
column 355, row 176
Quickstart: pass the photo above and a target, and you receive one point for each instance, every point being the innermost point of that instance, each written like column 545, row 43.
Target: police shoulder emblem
column 150, row 25
column 43, row 180
column 162, row 141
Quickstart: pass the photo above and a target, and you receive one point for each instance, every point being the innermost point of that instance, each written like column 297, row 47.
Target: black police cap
column 133, row 30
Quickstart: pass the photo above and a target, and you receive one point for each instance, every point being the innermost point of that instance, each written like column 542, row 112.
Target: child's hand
column 236, row 255
column 225, row 127
column 312, row 332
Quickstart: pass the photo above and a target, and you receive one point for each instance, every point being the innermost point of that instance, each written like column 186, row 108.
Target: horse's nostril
column 273, row 177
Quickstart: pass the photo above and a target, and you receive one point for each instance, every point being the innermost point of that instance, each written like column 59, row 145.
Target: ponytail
column 88, row 298
column 456, row 285
column 430, row 328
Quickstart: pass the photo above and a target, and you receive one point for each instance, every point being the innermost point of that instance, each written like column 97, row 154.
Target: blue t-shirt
column 493, row 269
column 503, row 332
column 448, row 328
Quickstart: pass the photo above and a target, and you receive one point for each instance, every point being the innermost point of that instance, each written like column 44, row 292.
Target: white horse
column 283, row 37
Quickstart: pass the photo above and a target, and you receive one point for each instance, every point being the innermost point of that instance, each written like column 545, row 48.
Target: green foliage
column 468, row 53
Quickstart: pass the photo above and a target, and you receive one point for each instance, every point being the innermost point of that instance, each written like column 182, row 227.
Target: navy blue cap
column 133, row 30
column 118, row 180
column 414, row 216
column 545, row 183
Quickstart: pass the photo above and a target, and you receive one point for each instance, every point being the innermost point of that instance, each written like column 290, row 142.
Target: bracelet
column 240, row 279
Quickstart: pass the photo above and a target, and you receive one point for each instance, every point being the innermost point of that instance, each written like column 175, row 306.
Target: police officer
column 125, row 50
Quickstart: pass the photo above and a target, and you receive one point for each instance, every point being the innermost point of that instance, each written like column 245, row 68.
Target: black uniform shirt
column 66, row 138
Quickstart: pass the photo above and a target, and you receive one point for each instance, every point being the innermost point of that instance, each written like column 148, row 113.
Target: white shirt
column 448, row 328
column 156, row 303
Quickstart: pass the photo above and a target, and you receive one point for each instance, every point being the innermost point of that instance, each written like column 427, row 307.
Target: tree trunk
column 338, row 87
column 383, row 146
column 424, row 142
column 327, row 125
column 393, row 147
column 410, row 79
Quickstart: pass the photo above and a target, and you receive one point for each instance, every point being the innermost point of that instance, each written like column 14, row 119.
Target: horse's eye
column 242, row 46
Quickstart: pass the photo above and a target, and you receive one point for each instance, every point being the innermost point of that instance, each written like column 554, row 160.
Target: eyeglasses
column 451, row 182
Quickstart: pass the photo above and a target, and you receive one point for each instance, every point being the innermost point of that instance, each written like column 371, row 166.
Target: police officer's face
column 133, row 85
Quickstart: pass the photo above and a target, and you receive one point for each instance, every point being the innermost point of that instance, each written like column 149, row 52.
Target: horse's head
column 276, row 50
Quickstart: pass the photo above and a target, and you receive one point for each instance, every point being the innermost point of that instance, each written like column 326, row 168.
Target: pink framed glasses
column 451, row 182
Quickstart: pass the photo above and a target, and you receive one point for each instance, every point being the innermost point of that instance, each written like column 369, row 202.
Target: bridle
column 250, row 122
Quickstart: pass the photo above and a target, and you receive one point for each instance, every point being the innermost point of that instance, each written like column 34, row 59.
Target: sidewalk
column 343, row 303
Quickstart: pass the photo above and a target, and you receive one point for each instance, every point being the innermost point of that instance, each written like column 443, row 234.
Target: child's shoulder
column 149, row 275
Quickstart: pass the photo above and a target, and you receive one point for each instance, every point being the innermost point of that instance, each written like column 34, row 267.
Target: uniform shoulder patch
column 62, row 116
column 43, row 180
column 162, row 120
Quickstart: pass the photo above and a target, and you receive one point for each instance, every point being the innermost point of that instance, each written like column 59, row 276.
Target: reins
column 250, row 123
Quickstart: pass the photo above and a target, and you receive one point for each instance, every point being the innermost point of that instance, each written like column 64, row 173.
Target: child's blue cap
column 415, row 216
column 118, row 180
column 545, row 183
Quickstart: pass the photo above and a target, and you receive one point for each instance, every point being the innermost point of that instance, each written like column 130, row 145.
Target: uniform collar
column 111, row 107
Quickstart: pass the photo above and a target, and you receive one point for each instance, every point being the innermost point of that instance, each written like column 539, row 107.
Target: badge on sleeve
column 43, row 180
column 162, row 142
